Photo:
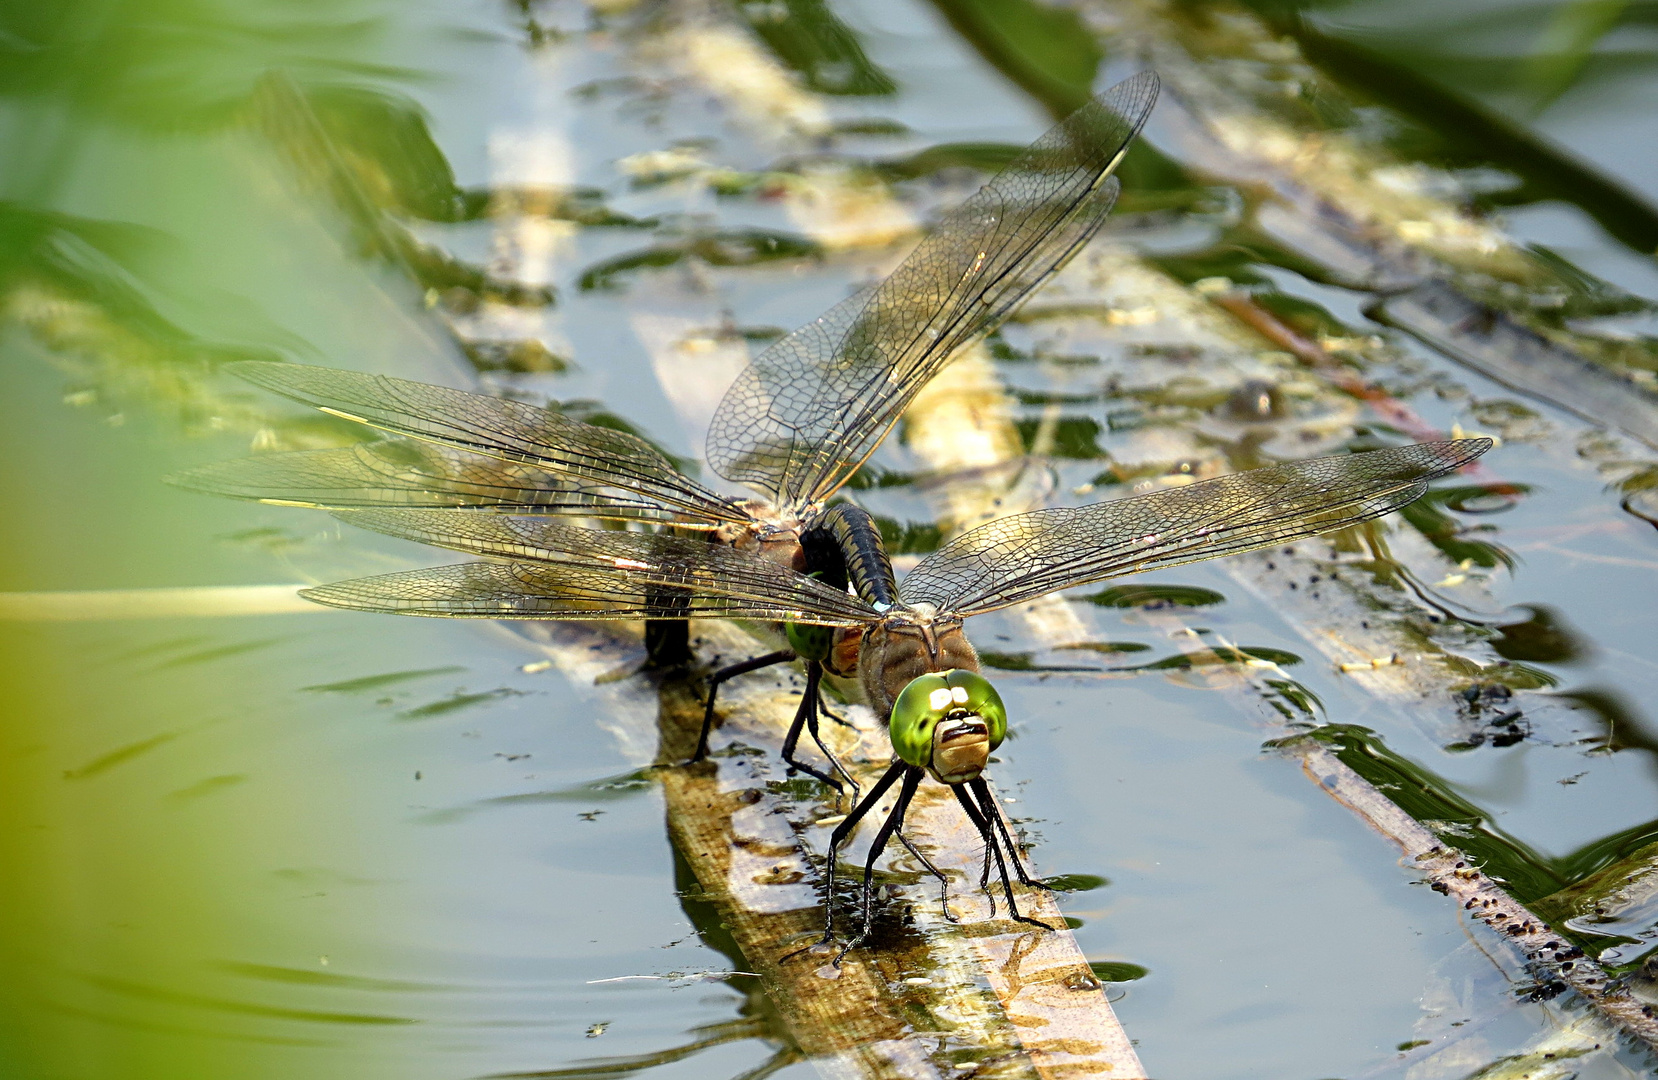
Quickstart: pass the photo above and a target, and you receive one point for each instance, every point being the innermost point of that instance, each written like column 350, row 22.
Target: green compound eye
column 810, row 642
column 930, row 698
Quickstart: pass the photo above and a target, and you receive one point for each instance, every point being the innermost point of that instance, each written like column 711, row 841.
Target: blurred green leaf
column 724, row 247
column 1046, row 51
column 1566, row 44
column 810, row 39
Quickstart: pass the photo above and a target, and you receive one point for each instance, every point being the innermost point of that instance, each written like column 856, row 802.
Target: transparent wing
column 810, row 409
column 495, row 427
column 1023, row 557
column 409, row 473
column 610, row 575
column 485, row 590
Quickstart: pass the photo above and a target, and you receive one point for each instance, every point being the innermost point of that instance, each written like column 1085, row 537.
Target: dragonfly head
column 948, row 722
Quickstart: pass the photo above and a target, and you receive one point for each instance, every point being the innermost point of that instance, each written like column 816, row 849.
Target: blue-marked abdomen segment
column 858, row 539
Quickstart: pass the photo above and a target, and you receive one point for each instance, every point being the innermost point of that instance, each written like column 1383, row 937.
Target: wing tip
column 190, row 480
column 256, row 371
column 330, row 596
column 212, row 480
column 1461, row 452
column 1133, row 98
column 422, row 525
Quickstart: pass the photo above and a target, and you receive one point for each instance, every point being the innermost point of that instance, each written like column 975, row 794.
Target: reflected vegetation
column 1529, row 874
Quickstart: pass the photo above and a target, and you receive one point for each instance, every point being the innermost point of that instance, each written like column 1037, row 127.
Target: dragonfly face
column 948, row 723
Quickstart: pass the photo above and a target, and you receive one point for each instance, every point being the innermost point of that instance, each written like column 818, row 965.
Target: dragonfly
column 916, row 667
column 795, row 426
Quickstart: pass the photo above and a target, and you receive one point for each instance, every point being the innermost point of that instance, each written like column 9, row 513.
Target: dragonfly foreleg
column 984, row 819
column 943, row 882
column 779, row 657
column 836, row 839
column 981, row 787
column 972, row 811
column 912, row 779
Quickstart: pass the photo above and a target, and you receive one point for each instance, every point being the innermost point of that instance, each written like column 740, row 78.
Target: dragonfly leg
column 987, row 813
column 805, row 718
column 836, row 839
column 982, row 788
column 912, row 778
column 812, row 726
column 779, row 657
column 973, row 815
column 943, row 882
column 667, row 643
column 835, row 716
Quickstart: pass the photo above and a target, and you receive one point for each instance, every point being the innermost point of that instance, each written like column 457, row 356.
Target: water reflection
column 186, row 793
column 1544, row 638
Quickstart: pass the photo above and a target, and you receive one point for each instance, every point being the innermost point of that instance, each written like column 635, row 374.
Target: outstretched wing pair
column 795, row 425
column 551, row 571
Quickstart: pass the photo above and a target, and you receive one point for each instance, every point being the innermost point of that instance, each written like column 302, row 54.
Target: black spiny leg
column 983, row 819
column 982, row 788
column 835, row 716
column 779, row 657
column 912, row 778
column 971, row 809
column 943, row 882
column 836, row 839
column 805, row 718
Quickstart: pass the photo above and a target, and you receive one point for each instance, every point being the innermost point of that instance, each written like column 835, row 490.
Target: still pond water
column 322, row 844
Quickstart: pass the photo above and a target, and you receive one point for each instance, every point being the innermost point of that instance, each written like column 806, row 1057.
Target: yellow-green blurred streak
column 141, row 832
column 154, row 835
column 1566, row 45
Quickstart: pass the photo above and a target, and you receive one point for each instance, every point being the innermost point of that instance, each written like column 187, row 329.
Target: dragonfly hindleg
column 824, row 710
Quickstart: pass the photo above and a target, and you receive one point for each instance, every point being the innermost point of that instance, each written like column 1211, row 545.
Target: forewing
column 410, row 473
column 1025, row 556
column 486, row 590
column 634, row 564
column 810, row 409
column 495, row 427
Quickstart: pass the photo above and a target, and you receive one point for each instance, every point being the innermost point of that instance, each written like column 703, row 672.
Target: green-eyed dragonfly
column 795, row 426
column 917, row 669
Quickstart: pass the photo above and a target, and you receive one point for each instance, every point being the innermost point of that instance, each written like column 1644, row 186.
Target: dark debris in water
column 1024, row 661
column 1117, row 971
column 1155, row 596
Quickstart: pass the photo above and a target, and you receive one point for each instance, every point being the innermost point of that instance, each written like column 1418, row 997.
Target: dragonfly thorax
column 904, row 645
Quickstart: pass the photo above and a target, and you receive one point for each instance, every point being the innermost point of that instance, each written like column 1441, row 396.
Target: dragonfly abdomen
column 851, row 534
